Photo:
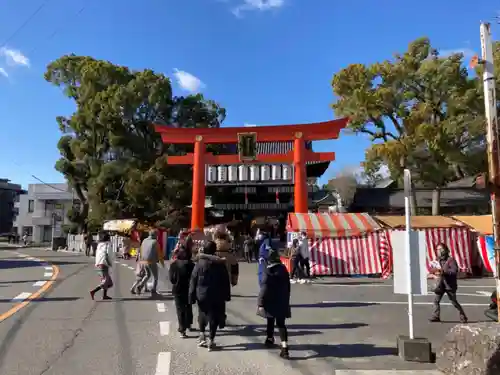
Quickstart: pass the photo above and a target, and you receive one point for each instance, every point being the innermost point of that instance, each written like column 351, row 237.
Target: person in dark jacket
column 180, row 273
column 296, row 262
column 210, row 288
column 274, row 301
column 446, row 283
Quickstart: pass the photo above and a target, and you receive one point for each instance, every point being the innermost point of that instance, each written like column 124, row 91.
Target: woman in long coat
column 274, row 301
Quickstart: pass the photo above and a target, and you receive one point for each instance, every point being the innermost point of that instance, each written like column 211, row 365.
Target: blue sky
column 266, row 62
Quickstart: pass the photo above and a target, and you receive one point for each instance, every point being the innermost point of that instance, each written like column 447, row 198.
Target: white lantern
column 222, row 173
column 243, row 173
column 287, row 172
column 212, row 173
column 265, row 172
column 232, row 173
column 276, row 172
column 254, row 173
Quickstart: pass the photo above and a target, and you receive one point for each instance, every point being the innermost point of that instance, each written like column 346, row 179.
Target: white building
column 43, row 211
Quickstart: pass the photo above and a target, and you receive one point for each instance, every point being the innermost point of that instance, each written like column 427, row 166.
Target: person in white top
column 305, row 255
column 103, row 262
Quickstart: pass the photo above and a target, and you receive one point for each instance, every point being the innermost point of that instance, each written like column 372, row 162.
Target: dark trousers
column 248, row 256
column 452, row 296
column 184, row 313
column 296, row 268
column 307, row 266
column 280, row 323
column 209, row 315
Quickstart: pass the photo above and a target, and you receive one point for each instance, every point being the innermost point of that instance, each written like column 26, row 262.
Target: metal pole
column 490, row 104
column 407, row 185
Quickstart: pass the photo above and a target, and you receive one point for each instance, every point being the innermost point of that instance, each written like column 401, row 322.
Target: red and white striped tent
column 341, row 243
column 438, row 229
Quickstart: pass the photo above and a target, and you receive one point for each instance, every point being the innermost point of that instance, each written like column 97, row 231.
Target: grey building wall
column 43, row 211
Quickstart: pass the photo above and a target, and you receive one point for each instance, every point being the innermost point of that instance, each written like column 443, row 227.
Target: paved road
column 337, row 325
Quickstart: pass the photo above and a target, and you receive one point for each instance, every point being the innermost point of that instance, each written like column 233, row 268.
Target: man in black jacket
column 210, row 289
column 180, row 273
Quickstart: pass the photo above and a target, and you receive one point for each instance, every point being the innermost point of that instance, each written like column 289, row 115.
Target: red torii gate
column 299, row 134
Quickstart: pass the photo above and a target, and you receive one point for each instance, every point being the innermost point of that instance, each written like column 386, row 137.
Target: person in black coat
column 180, row 273
column 210, row 288
column 274, row 301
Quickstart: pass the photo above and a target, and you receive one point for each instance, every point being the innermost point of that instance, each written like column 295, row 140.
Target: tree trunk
column 436, row 201
column 84, row 208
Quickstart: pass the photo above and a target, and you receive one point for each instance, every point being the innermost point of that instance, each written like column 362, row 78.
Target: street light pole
column 490, row 105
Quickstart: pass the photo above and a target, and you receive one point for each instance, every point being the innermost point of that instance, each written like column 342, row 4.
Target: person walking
column 296, row 262
column 248, row 248
column 103, row 262
column 447, row 283
column 210, row 288
column 264, row 248
column 180, row 273
column 305, row 255
column 274, row 301
column 88, row 243
column 150, row 254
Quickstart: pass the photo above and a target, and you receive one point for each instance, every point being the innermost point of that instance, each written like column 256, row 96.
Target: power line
column 47, row 184
column 25, row 23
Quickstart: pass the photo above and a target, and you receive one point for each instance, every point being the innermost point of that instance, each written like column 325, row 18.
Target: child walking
column 180, row 275
column 103, row 262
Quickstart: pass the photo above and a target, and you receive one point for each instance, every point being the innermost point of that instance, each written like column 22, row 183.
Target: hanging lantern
column 265, row 172
column 243, row 173
column 277, row 197
column 254, row 173
column 222, row 173
column 276, row 172
column 287, row 172
column 232, row 173
column 212, row 174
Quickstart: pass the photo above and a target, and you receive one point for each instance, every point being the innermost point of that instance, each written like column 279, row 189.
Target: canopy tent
column 418, row 222
column 483, row 224
column 332, row 224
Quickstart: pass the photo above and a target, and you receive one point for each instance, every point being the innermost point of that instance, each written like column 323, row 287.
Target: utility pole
column 490, row 105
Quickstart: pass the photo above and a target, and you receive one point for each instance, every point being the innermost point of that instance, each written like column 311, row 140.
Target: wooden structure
column 246, row 138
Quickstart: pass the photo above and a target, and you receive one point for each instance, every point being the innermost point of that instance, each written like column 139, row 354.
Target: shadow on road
column 17, row 263
column 322, row 350
column 244, row 296
column 354, row 283
column 46, row 299
column 322, row 305
column 17, row 282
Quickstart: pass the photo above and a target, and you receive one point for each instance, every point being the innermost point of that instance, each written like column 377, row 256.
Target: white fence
column 75, row 242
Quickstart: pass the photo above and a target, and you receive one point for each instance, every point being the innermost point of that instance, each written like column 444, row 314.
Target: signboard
column 247, row 146
column 417, row 262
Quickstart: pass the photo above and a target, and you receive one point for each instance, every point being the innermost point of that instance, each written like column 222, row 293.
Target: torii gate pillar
column 300, row 193
column 198, row 201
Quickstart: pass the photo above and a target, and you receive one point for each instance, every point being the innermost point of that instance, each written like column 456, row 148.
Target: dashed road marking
column 21, row 297
column 400, row 303
column 131, row 268
column 163, row 363
column 483, row 293
column 47, row 274
column 48, row 268
column 164, row 328
column 160, row 306
column 40, row 283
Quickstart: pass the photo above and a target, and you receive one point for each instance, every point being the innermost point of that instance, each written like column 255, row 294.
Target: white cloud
column 467, row 52
column 4, row 73
column 259, row 5
column 188, row 82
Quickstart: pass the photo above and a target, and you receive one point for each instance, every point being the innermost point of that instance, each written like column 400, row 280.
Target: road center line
column 160, row 306
column 21, row 297
column 48, row 268
column 164, row 328
column 163, row 363
column 40, row 283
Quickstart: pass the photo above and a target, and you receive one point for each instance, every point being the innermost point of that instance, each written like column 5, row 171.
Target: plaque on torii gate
column 246, row 141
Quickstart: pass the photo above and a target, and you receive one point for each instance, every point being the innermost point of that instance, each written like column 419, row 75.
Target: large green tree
column 421, row 111
column 110, row 152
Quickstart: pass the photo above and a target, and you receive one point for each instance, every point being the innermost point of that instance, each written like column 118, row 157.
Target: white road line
column 483, row 293
column 160, row 306
column 163, row 363
column 164, row 328
column 22, row 255
column 48, row 268
column 48, row 274
column 387, row 372
column 30, row 258
column 21, row 297
column 131, row 268
column 472, row 295
column 124, row 265
column 400, row 303
column 40, row 283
